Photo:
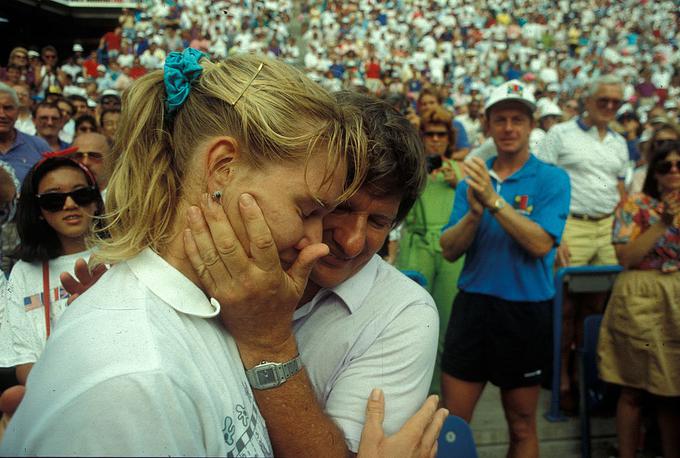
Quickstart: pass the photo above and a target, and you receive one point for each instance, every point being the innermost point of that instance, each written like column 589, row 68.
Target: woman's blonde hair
column 274, row 112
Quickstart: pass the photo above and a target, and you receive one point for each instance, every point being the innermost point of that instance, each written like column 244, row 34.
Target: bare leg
column 668, row 415
column 520, row 406
column 628, row 421
column 460, row 397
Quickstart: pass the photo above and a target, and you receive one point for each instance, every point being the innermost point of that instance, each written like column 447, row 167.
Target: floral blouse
column 635, row 216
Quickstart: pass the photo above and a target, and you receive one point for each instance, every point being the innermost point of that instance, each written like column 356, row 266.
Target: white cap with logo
column 512, row 90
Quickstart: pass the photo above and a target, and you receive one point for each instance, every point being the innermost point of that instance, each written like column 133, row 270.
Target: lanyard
column 46, row 296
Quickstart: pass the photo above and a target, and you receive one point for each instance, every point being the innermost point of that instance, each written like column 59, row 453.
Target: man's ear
column 222, row 154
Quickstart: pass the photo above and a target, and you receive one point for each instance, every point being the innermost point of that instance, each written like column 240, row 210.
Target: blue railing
column 585, row 279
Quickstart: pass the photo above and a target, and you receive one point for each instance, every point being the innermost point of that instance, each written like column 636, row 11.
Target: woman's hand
column 85, row 278
column 416, row 439
column 256, row 295
column 449, row 174
column 671, row 211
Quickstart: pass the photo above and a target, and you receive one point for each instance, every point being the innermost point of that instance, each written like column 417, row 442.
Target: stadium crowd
column 547, row 134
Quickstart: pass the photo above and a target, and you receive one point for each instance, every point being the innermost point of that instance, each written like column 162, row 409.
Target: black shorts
column 490, row 339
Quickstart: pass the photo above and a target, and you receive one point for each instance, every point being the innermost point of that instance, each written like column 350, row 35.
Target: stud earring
column 217, row 196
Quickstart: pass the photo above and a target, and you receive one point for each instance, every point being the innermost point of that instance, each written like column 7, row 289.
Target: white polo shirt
column 138, row 365
column 378, row 329
column 594, row 165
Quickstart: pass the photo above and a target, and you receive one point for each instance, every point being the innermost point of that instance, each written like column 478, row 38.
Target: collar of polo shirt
column 171, row 286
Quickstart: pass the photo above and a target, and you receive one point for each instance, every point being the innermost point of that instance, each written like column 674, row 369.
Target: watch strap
column 269, row 374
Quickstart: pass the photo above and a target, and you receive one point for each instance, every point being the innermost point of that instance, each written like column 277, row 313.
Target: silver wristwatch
column 268, row 375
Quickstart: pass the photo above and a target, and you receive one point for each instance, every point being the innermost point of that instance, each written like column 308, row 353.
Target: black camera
column 434, row 162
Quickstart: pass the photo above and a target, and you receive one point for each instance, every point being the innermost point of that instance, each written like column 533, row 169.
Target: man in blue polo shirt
column 507, row 219
column 17, row 149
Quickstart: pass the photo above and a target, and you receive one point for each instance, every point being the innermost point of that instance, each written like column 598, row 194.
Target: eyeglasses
column 667, row 144
column 55, row 201
column 435, row 134
column 92, row 155
column 606, row 102
column 664, row 167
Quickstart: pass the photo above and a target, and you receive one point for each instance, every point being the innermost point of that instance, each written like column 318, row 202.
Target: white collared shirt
column 138, row 365
column 594, row 165
column 378, row 329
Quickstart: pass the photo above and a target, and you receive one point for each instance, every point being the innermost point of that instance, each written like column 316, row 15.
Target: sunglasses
column 436, row 134
column 92, row 155
column 55, row 201
column 664, row 167
column 606, row 102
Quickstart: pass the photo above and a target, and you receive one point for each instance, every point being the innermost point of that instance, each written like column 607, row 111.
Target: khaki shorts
column 590, row 242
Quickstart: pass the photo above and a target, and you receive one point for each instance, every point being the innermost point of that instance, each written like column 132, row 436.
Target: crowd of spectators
column 605, row 74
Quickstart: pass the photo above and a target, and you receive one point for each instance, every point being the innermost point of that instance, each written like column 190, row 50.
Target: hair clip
column 259, row 69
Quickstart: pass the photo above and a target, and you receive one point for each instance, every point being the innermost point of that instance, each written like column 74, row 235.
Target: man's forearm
column 456, row 240
column 532, row 237
column 297, row 425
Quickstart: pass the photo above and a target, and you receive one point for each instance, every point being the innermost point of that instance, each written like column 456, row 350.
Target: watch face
column 266, row 376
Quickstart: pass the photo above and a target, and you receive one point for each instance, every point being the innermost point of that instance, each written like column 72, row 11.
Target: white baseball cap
column 77, row 48
column 511, row 90
column 548, row 108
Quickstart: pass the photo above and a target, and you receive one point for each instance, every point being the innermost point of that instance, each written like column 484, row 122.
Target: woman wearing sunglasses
column 419, row 247
column 57, row 203
column 663, row 133
column 639, row 345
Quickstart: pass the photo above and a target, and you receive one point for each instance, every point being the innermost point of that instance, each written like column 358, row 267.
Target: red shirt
column 112, row 40
column 90, row 66
column 137, row 71
column 373, row 70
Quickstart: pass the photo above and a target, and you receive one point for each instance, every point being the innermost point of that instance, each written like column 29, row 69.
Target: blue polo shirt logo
column 521, row 204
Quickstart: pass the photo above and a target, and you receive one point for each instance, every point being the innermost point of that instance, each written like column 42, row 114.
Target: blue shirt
column 24, row 153
column 495, row 264
column 461, row 136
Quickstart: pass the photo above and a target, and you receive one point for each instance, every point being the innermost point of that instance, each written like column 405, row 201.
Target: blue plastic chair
column 455, row 439
column 416, row 277
column 591, row 388
column 584, row 279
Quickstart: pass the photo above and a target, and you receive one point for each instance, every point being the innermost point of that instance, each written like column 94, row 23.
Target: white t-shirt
column 26, row 309
column 376, row 329
column 139, row 365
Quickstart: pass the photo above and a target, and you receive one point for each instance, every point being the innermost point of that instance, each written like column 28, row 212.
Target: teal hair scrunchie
column 180, row 70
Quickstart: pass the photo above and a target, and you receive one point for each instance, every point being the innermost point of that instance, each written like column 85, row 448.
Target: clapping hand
column 480, row 182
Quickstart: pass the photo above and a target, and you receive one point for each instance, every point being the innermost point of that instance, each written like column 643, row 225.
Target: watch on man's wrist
column 497, row 206
column 268, row 375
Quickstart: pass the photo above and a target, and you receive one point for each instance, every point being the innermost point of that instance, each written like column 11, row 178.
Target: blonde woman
column 140, row 364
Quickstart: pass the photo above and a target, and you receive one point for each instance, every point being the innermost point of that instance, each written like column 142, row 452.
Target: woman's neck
column 72, row 245
column 175, row 255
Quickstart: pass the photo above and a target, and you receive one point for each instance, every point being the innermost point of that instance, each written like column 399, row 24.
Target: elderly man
column 596, row 159
column 94, row 153
column 48, row 122
column 19, row 150
column 507, row 220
